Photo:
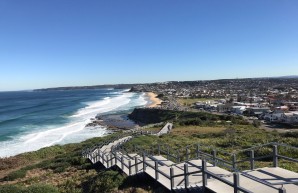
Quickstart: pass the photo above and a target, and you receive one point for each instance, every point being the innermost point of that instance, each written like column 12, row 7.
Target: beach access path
column 195, row 173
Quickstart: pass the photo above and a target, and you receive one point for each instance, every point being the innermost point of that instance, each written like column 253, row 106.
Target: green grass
column 37, row 188
column 230, row 140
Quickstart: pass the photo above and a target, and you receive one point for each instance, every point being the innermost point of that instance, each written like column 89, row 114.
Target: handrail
column 259, row 180
column 108, row 157
column 227, row 182
column 254, row 147
column 285, row 145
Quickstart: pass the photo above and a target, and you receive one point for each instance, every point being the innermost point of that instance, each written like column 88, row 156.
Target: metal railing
column 134, row 164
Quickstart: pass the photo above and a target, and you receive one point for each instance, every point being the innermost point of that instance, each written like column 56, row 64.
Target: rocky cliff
column 149, row 116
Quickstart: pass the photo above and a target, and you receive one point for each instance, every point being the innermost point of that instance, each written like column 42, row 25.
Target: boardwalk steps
column 201, row 170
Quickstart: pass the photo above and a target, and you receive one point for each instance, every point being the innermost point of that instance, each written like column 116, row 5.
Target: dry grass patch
column 188, row 130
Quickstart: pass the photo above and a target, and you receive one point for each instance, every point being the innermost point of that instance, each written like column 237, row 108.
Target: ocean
column 30, row 120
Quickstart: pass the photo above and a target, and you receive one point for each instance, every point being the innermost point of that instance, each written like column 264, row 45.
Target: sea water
column 30, row 120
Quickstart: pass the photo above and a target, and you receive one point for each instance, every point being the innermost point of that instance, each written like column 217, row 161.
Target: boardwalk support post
column 108, row 163
column 275, row 156
column 187, row 153
column 204, row 175
column 115, row 154
column 252, row 159
column 101, row 156
column 129, row 167
column 156, row 170
column 214, row 157
column 172, row 177
column 136, row 165
column 144, row 162
column 186, row 179
column 111, row 157
column 236, row 182
column 282, row 190
column 122, row 165
column 158, row 149
column 197, row 150
column 234, row 160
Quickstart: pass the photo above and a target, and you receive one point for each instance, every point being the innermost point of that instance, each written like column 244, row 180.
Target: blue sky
column 54, row 43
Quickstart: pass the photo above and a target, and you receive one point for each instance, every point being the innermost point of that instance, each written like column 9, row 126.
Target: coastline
column 155, row 102
column 82, row 122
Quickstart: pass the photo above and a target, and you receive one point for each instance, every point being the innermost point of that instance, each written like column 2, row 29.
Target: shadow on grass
column 143, row 181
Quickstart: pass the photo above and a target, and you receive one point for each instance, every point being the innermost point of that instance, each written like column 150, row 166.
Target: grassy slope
column 235, row 138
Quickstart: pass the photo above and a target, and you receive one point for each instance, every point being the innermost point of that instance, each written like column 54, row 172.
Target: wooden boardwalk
column 197, row 172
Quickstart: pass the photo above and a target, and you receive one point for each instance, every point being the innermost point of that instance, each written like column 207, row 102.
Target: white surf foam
column 75, row 130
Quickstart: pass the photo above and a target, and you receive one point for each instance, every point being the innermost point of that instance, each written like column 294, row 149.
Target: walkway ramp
column 197, row 172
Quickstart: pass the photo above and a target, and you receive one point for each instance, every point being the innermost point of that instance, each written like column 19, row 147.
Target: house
column 273, row 117
column 257, row 111
column 201, row 105
column 224, row 107
column 281, row 109
column 290, row 118
column 238, row 109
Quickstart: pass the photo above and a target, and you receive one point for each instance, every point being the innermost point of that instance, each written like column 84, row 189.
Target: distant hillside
column 286, row 77
column 115, row 86
column 181, row 83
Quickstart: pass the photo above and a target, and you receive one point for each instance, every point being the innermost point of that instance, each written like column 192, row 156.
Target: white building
column 290, row 118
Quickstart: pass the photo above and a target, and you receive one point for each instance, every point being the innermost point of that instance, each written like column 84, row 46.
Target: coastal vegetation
column 149, row 116
column 62, row 168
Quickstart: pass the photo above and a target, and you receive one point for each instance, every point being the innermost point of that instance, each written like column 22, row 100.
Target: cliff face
column 149, row 116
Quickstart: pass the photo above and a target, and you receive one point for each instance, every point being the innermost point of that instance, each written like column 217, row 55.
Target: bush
column 291, row 134
column 11, row 189
column 106, row 181
column 69, row 186
column 58, row 167
column 38, row 188
column 41, row 188
column 16, row 174
column 256, row 123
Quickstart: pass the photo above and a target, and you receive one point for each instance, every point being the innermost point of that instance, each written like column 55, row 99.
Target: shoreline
column 77, row 130
column 155, row 102
column 109, row 122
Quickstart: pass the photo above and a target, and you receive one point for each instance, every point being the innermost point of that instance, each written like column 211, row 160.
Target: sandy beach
column 154, row 101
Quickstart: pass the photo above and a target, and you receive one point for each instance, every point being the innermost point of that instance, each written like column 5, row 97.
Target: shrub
column 41, row 188
column 58, row 167
column 106, row 181
column 291, row 134
column 85, row 166
column 16, row 174
column 38, row 188
column 256, row 123
column 11, row 189
column 69, row 186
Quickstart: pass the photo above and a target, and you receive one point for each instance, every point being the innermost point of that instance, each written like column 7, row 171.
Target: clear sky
column 50, row 43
